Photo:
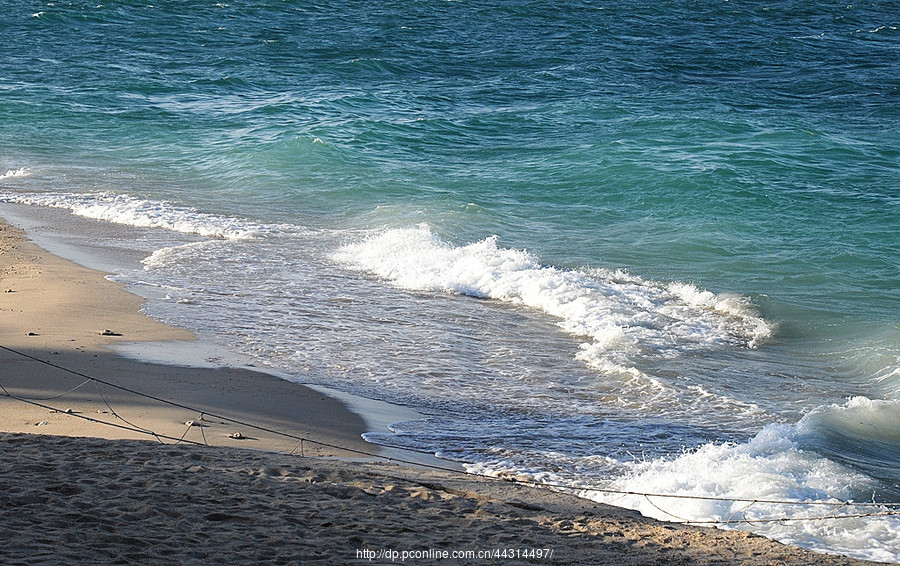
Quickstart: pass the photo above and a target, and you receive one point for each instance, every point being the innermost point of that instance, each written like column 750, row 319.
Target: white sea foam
column 20, row 172
column 134, row 211
column 624, row 317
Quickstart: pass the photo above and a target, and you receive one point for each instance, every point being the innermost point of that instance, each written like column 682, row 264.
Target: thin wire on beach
column 884, row 509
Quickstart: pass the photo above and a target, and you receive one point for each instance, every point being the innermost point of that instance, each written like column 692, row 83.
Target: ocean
column 644, row 247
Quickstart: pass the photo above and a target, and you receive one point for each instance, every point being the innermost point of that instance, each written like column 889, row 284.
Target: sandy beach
column 75, row 490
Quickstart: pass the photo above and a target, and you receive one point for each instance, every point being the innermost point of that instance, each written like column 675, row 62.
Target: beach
column 182, row 479
column 646, row 253
column 59, row 320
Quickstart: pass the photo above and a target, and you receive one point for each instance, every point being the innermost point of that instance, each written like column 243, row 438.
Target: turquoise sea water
column 652, row 247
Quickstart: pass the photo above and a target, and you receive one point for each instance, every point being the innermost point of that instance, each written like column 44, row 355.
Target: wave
column 133, row 211
column 813, row 460
column 890, row 378
column 765, row 485
column 624, row 317
column 862, row 434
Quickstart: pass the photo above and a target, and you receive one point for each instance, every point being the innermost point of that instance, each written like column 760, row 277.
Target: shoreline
column 81, row 491
column 62, row 315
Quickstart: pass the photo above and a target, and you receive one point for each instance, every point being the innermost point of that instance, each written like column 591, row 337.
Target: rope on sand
column 835, row 505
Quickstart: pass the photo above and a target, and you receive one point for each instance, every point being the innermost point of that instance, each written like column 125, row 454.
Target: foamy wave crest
column 166, row 257
column 783, row 463
column 625, row 317
column 133, row 211
column 20, row 172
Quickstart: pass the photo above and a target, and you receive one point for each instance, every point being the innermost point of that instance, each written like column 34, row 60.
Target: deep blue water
column 606, row 244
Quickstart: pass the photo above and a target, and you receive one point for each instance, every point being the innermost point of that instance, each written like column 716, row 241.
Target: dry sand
column 106, row 498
